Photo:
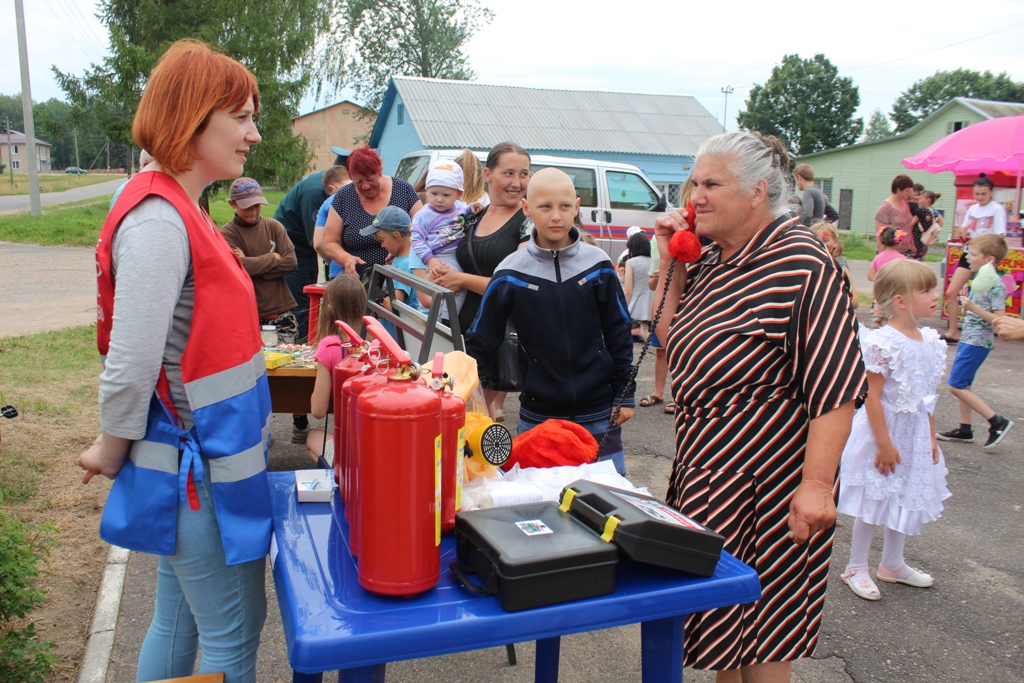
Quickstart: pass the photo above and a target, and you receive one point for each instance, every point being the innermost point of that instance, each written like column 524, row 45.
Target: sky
column 646, row 46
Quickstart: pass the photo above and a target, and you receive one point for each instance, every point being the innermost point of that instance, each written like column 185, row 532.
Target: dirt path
column 45, row 288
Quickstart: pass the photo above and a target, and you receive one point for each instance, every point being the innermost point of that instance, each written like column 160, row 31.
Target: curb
column 104, row 620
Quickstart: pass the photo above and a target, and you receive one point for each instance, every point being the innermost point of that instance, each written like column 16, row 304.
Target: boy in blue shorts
column 976, row 343
column 570, row 313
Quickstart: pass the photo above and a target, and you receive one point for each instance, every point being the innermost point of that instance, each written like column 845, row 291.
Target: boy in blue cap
column 392, row 229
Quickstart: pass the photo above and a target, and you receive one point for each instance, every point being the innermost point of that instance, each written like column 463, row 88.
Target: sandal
column 915, row 578
column 861, row 584
column 651, row 400
column 670, row 408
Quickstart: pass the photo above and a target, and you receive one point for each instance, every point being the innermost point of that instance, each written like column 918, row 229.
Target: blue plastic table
column 332, row 624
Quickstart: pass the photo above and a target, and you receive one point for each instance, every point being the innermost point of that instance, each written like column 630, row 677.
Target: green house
column 858, row 178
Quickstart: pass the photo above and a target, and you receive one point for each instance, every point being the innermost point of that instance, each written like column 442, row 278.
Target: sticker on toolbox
column 534, row 527
column 653, row 508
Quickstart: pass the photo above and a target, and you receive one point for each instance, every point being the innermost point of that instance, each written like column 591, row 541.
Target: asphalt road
column 966, row 628
column 45, row 288
column 21, row 202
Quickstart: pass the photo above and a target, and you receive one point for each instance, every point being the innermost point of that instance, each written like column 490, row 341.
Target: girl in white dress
column 893, row 473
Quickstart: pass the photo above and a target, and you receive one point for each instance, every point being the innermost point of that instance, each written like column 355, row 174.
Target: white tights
column 892, row 550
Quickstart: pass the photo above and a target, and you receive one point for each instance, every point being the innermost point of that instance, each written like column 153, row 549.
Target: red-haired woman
column 184, row 404
column 354, row 208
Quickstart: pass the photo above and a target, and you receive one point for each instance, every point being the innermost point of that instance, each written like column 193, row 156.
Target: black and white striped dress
column 763, row 342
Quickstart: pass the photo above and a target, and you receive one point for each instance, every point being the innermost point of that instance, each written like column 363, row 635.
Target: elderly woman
column 895, row 211
column 765, row 367
column 184, row 403
column 354, row 208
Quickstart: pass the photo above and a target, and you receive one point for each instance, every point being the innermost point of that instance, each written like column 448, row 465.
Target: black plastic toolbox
column 645, row 529
column 532, row 555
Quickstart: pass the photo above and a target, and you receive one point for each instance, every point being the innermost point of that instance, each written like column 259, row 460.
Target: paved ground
column 45, row 288
column 967, row 628
column 21, row 202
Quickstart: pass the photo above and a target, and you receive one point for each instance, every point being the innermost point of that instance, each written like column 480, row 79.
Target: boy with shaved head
column 570, row 313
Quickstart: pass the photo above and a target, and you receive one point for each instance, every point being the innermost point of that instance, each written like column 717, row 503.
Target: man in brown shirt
column 268, row 255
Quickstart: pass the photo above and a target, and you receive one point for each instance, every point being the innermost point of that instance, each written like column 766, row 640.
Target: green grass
column 857, row 247
column 78, row 224
column 52, row 183
column 50, row 377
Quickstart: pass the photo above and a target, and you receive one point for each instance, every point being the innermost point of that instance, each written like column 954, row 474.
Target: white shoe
column 861, row 584
column 499, row 415
column 916, row 578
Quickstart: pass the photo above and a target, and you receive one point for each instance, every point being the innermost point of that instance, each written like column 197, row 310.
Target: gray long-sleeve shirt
column 153, row 299
column 813, row 205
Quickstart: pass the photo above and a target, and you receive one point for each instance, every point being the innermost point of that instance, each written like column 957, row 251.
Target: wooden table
column 290, row 389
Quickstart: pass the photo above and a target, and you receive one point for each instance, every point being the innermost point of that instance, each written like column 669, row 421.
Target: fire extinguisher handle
column 353, row 337
column 391, row 347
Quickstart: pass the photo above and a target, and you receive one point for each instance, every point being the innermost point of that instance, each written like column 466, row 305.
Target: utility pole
column 7, row 123
column 26, row 107
column 77, row 164
column 108, row 155
column 728, row 90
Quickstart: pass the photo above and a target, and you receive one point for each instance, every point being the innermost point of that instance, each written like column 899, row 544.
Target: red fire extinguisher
column 375, row 374
column 453, row 441
column 398, row 425
column 354, row 363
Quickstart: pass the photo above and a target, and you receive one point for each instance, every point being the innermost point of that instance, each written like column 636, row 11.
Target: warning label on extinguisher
column 437, row 490
column 459, row 449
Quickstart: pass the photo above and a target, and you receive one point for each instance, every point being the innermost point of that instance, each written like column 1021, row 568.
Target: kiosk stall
column 1012, row 269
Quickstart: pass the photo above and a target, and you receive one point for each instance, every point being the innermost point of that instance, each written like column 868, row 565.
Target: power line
column 934, row 49
column 70, row 10
column 85, row 21
column 69, row 32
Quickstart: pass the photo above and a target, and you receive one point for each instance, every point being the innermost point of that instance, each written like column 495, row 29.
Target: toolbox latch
column 609, row 528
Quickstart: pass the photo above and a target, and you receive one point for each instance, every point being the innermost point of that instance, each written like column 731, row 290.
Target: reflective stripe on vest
column 248, row 463
column 219, row 386
column 152, row 455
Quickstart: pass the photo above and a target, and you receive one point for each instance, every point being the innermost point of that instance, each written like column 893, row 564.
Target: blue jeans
column 201, row 600
column 597, row 428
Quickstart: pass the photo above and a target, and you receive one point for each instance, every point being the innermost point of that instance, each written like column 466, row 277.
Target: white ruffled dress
column 913, row 494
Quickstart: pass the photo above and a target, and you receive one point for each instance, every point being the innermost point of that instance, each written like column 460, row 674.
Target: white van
column 613, row 196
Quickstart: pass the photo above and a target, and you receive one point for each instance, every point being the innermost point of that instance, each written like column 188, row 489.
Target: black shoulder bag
column 503, row 371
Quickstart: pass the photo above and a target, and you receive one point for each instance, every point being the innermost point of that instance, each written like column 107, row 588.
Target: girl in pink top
column 891, row 240
column 344, row 299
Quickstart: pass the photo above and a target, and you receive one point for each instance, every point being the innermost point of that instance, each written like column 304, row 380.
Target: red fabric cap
column 553, row 443
column 684, row 247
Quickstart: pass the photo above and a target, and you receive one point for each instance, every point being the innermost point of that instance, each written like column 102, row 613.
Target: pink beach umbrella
column 987, row 147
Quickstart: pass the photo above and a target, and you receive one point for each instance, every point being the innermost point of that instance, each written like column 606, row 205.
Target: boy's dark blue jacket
column 570, row 313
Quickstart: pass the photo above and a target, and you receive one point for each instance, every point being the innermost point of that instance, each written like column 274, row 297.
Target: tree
column 878, row 128
column 928, row 94
column 55, row 124
column 275, row 40
column 378, row 39
column 805, row 104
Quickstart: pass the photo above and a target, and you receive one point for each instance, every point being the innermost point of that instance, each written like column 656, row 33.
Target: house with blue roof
column 660, row 134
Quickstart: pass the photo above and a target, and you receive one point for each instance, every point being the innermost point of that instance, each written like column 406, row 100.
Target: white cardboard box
column 325, row 485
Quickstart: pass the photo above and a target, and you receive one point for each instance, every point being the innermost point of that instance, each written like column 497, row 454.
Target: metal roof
column 994, row 110
column 987, row 108
column 469, row 114
column 18, row 138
